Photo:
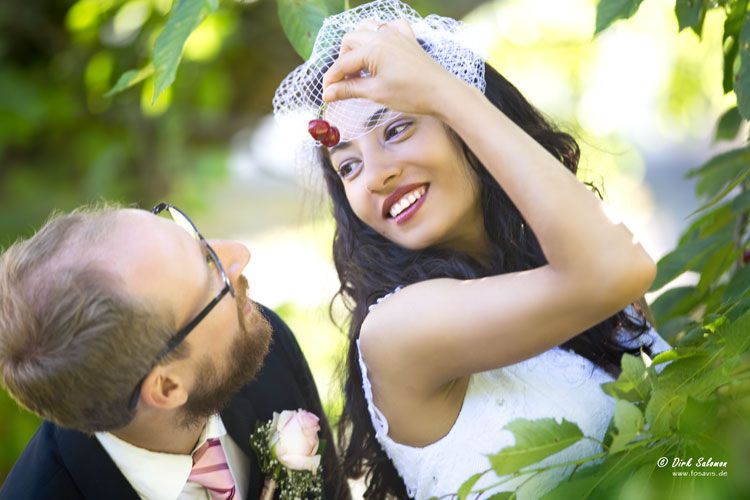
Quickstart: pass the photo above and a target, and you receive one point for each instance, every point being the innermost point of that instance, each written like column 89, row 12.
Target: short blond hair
column 73, row 343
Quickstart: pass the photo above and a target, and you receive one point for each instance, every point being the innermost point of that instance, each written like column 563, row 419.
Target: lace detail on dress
column 381, row 299
column 378, row 419
column 379, row 422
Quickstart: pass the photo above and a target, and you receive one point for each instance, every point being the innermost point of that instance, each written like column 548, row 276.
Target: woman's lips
column 407, row 214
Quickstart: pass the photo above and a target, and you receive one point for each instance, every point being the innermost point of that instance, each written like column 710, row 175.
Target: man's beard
column 217, row 382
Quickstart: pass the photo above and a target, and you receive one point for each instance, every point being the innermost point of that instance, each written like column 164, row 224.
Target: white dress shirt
column 163, row 476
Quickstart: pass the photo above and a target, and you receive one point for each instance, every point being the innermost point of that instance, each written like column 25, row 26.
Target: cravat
column 211, row 471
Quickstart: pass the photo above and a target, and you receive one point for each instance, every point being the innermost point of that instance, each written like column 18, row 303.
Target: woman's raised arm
column 437, row 330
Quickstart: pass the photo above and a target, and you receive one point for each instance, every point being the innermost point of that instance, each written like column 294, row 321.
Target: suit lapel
column 93, row 471
column 240, row 419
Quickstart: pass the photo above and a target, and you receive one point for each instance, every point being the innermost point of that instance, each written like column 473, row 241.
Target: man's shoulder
column 284, row 346
column 40, row 471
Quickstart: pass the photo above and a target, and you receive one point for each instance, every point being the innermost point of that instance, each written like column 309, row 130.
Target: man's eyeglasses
column 182, row 220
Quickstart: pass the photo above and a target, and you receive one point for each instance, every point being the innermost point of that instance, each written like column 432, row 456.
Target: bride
column 485, row 282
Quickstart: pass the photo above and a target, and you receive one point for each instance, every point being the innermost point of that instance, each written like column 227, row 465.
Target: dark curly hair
column 370, row 266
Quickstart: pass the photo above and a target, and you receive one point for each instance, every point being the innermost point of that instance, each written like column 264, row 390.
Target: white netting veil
column 299, row 97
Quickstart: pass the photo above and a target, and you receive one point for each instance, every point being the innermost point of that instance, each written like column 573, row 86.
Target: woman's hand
column 402, row 76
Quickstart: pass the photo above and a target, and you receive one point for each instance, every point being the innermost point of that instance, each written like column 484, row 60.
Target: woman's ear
column 163, row 388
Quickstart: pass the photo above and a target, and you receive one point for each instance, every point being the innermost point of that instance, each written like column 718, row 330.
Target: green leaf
column 741, row 203
column 673, row 327
column 535, row 440
column 619, row 466
column 677, row 301
column 675, row 354
column 662, row 411
column 728, row 125
column 742, row 80
column 739, row 285
column 698, row 416
column 302, row 19
column 629, row 422
column 628, row 418
column 719, row 219
column 697, row 376
column 720, row 170
column 716, row 264
column 609, row 11
column 130, row 78
column 579, row 486
column 730, row 40
column 736, row 337
column 467, row 485
column 503, row 495
column 681, row 259
column 734, row 182
column 690, row 14
column 184, row 17
column 633, row 384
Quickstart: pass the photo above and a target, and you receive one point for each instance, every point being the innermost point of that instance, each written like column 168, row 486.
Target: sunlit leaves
column 467, row 485
column 609, row 11
column 184, row 17
column 130, row 78
column 535, row 440
column 634, row 383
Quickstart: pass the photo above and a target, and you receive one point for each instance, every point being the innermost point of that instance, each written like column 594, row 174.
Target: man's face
column 161, row 263
column 217, row 380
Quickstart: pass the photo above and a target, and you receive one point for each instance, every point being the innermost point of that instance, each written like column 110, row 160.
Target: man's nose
column 233, row 255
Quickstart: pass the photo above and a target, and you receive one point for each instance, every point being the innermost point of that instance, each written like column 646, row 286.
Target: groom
column 134, row 338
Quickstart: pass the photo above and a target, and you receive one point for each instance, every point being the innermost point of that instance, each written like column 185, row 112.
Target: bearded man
column 137, row 342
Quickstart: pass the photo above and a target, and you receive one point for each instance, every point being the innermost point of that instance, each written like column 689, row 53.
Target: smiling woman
column 411, row 162
column 515, row 289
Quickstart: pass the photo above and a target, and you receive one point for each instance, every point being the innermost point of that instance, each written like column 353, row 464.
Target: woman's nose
column 233, row 255
column 381, row 172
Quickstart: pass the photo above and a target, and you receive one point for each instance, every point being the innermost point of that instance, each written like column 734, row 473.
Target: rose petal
column 300, row 462
column 284, row 418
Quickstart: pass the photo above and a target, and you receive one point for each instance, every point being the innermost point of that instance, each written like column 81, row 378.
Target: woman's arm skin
column 438, row 330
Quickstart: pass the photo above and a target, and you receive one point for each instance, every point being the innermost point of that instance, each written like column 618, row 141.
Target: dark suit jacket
column 64, row 463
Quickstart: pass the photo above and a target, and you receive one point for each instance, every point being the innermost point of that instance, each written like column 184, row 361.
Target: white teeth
column 406, row 201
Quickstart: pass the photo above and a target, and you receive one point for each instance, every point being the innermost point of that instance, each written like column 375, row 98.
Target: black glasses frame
column 179, row 337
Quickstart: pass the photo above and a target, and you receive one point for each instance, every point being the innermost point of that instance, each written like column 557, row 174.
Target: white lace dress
column 556, row 383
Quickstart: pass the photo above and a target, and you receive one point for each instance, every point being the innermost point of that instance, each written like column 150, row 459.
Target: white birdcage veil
column 299, row 96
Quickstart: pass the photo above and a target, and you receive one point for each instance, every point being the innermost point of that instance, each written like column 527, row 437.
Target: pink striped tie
column 211, row 471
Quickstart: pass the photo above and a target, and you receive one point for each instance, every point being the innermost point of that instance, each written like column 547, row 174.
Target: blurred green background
column 642, row 99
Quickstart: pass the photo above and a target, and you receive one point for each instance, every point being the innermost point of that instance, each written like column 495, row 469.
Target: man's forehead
column 151, row 253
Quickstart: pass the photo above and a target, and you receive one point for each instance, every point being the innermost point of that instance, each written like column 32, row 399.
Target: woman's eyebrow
column 371, row 122
column 340, row 145
column 375, row 117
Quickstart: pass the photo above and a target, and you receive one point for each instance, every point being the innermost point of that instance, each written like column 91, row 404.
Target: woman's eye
column 396, row 129
column 348, row 168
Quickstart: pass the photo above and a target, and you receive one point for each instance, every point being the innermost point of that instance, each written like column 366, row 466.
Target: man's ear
column 164, row 388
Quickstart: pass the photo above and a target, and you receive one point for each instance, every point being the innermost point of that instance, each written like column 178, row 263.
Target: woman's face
column 408, row 181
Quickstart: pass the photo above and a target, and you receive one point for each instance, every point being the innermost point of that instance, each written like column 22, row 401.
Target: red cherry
column 332, row 138
column 746, row 256
column 318, row 129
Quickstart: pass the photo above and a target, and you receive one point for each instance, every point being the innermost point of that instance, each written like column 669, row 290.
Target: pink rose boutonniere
column 287, row 449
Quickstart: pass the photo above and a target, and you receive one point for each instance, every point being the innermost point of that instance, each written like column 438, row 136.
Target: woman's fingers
column 403, row 26
column 344, row 65
column 348, row 89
